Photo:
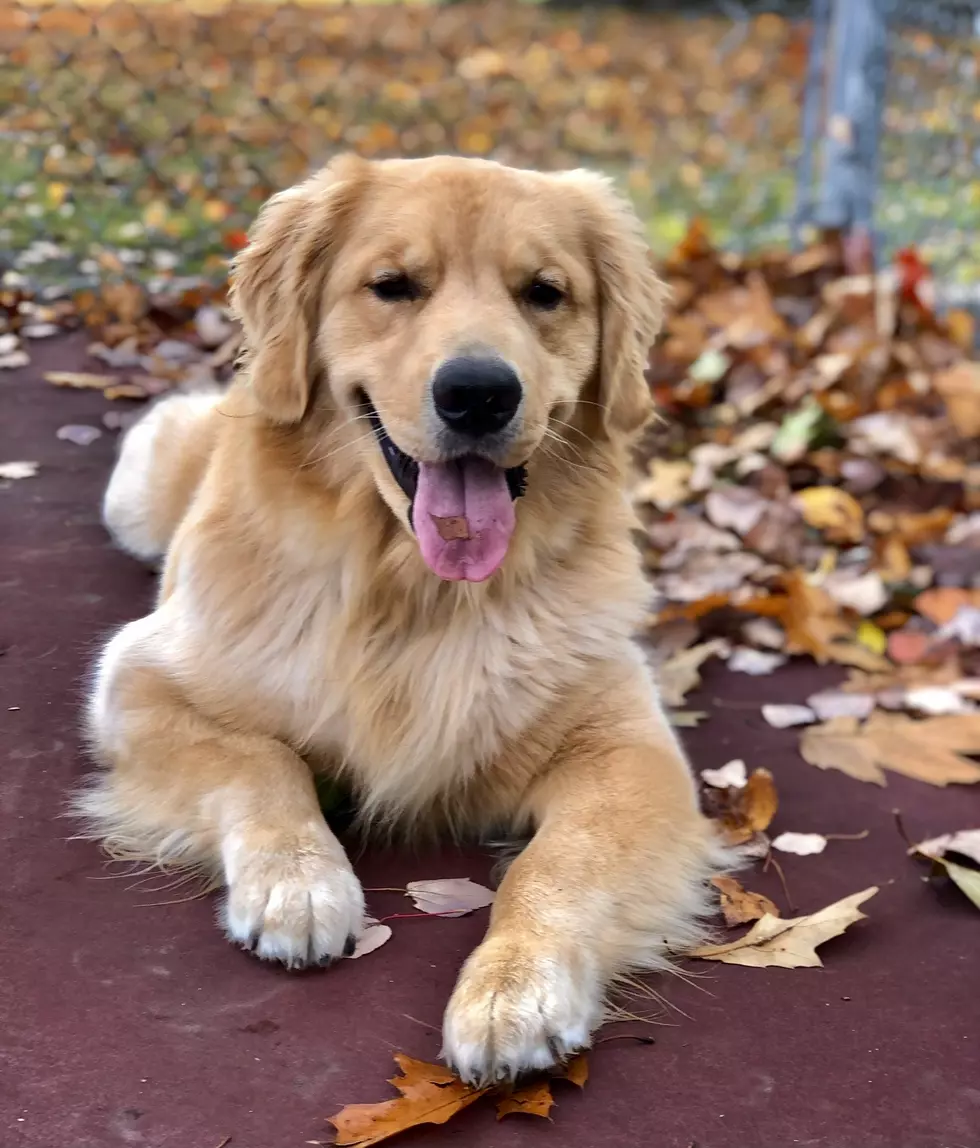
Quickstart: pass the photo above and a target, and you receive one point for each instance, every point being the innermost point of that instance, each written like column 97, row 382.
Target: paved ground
column 125, row 1023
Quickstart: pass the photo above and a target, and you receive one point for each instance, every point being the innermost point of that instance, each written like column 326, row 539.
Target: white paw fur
column 517, row 1009
column 300, row 907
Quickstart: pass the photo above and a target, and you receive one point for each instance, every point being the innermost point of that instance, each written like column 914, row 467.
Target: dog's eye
column 395, row 288
column 543, row 295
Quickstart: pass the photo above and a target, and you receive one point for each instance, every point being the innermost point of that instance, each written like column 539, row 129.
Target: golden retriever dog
column 398, row 552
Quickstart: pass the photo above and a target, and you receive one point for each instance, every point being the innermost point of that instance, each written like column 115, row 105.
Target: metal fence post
column 859, row 58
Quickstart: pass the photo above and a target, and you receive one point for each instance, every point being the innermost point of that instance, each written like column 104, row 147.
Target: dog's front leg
column 612, row 880
column 185, row 791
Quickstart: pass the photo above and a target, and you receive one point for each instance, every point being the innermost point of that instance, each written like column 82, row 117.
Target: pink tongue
column 463, row 517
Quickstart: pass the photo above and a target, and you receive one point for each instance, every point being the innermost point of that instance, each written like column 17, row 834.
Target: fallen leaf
column 963, row 627
column 960, row 387
column 667, row 486
column 958, row 855
column 965, row 842
column 430, row 1094
column 837, row 744
column 79, row 435
column 942, row 604
column 935, row 700
column 13, row 360
column 79, row 380
column 837, row 703
column 833, row 511
column 773, row 942
column 802, row 844
column 678, row 675
column 784, row 716
column 744, row 812
column 928, row 750
column 533, row 1099
column 739, row 905
column 863, row 593
column 735, row 508
column 745, row 660
column 686, row 719
column 967, row 880
column 449, row 897
column 733, row 774
column 576, row 1071
column 14, row 470
column 372, row 937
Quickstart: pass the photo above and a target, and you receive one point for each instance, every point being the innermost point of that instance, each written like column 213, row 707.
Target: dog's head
column 463, row 314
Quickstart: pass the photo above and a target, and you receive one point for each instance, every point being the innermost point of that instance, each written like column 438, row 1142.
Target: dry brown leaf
column 678, row 675
column 929, row 750
column 430, row 1094
column 813, row 624
column 739, row 905
column 576, row 1071
column 744, row 812
column 533, row 1099
column 792, row 943
column 838, row 744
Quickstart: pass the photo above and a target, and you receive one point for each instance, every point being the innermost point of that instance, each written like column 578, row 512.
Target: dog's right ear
column 278, row 277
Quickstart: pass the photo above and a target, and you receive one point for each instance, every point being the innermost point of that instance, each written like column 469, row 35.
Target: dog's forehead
column 446, row 207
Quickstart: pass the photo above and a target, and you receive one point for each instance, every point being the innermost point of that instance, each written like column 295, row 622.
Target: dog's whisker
column 339, row 450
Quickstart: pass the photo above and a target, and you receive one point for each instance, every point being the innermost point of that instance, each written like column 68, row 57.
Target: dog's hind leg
column 161, row 461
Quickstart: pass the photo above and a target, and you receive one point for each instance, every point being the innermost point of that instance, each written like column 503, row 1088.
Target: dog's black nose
column 476, row 396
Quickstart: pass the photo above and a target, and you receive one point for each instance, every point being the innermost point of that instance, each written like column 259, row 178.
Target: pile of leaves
column 813, row 491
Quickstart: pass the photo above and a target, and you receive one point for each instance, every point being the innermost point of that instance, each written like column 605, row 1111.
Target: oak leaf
column 791, row 943
column 533, row 1099
column 430, row 1094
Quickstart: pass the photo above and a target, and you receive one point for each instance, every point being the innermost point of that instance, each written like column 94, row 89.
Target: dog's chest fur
column 411, row 699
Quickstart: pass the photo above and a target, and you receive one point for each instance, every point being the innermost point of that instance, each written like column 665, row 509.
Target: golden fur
column 298, row 629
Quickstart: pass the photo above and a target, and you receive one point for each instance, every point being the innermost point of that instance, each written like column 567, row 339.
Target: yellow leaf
column 872, row 637
column 833, row 511
column 792, row 943
column 56, row 194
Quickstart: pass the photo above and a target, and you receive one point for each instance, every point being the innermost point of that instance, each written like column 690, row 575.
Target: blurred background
column 139, row 139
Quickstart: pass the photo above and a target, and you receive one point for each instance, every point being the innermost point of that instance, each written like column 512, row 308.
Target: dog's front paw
column 301, row 906
column 518, row 1008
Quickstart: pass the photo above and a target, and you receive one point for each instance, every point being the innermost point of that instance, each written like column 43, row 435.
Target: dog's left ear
column 631, row 302
column 277, row 281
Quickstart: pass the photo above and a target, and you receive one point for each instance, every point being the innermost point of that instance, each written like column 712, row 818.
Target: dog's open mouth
column 462, row 511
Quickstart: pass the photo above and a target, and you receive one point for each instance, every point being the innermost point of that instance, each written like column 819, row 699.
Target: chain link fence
column 140, row 138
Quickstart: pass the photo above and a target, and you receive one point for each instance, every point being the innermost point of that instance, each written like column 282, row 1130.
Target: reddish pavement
column 129, row 1023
